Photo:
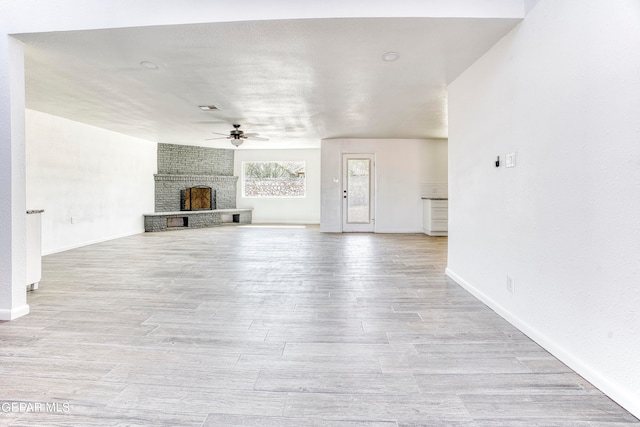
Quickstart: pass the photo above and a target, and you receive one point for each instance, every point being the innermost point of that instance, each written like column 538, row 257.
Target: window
column 273, row 179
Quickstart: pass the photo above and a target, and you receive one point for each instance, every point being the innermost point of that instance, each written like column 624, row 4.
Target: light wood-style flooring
column 250, row 326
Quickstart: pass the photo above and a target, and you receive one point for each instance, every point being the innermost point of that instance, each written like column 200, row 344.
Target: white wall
column 284, row 211
column 435, row 167
column 401, row 166
column 101, row 178
column 562, row 90
column 13, row 299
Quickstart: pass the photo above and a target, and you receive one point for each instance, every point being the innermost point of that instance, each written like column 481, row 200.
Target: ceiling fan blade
column 218, row 133
column 257, row 138
column 220, row 137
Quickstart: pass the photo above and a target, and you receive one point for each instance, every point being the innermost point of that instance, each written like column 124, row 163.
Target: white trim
column 625, row 398
column 279, row 221
column 435, row 233
column 243, row 179
column 399, row 231
column 91, row 242
column 370, row 226
column 14, row 313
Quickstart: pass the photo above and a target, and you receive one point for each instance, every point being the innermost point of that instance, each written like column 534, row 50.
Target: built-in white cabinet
column 435, row 220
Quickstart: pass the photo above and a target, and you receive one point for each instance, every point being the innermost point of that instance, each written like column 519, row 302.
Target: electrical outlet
column 510, row 284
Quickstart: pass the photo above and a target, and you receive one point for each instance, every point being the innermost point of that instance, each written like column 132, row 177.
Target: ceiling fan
column 237, row 136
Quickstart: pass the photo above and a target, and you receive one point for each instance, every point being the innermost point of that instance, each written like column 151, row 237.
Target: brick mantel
column 191, row 178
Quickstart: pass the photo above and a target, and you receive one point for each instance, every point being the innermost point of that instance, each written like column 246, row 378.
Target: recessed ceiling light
column 390, row 56
column 208, row 107
column 149, row 65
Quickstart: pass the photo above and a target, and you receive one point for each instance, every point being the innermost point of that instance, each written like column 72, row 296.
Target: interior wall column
column 13, row 291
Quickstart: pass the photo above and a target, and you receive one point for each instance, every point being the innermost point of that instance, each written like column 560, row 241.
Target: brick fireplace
column 198, row 181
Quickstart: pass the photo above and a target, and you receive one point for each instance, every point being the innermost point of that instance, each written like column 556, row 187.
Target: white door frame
column 365, row 227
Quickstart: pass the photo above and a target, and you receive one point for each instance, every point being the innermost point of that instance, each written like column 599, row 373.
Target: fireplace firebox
column 198, row 199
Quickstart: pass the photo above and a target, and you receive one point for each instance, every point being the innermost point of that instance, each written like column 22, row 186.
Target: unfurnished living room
column 338, row 213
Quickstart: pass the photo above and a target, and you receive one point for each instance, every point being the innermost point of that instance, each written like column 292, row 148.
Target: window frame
column 244, row 195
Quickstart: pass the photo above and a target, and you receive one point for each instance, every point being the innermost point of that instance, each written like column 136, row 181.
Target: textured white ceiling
column 293, row 81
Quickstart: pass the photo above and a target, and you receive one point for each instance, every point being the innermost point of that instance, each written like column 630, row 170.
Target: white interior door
column 358, row 181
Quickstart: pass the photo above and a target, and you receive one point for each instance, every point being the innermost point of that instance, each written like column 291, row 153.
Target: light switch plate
column 510, row 160
column 510, row 284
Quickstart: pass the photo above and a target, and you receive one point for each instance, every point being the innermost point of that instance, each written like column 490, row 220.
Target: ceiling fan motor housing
column 237, row 137
column 236, row 133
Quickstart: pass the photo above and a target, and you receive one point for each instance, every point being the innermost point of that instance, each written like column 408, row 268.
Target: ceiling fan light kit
column 237, row 136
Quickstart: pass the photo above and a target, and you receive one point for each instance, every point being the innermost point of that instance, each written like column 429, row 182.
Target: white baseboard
column 276, row 221
column 399, row 230
column 378, row 230
column 91, row 242
column 436, row 233
column 14, row 313
column 628, row 399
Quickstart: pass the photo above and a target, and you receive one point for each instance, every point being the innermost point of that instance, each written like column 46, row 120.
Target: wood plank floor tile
column 342, row 382
column 309, row 363
column 401, row 408
column 95, row 416
column 348, row 349
column 542, row 407
column 188, row 375
column 189, row 399
column 544, row 364
column 246, row 326
column 74, row 391
column 226, row 420
column 553, row 384
column 451, row 365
